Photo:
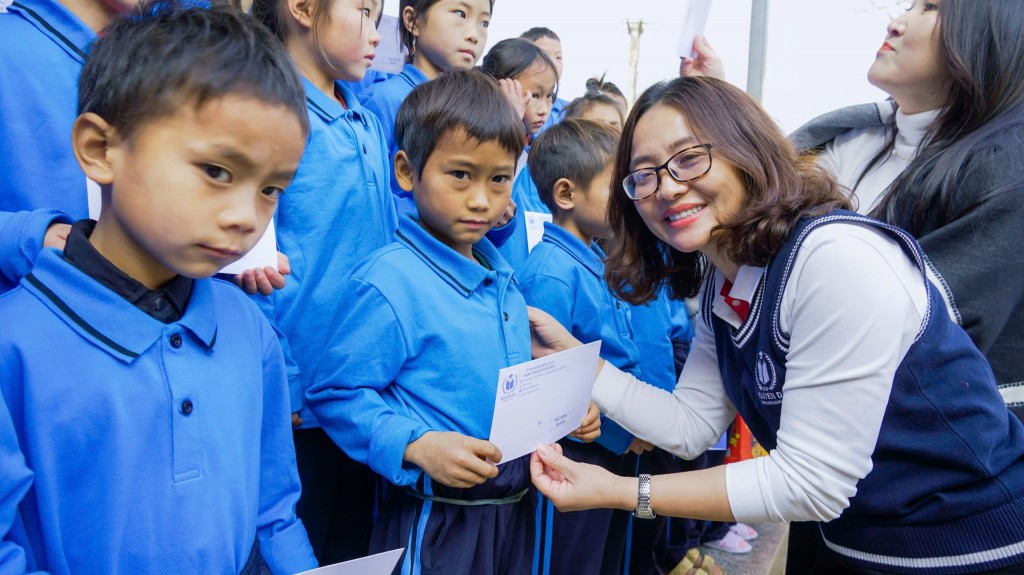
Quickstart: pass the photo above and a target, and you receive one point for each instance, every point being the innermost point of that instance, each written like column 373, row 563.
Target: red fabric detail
column 741, row 307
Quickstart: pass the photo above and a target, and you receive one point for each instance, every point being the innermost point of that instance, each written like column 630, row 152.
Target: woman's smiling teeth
column 689, row 212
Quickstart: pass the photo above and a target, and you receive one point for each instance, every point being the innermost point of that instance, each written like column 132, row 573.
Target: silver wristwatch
column 643, row 499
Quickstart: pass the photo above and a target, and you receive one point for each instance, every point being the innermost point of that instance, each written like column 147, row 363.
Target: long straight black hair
column 982, row 47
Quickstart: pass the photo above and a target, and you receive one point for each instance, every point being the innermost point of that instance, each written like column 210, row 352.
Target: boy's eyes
column 272, row 192
column 459, row 13
column 216, row 173
column 486, row 23
column 460, row 174
column 503, row 179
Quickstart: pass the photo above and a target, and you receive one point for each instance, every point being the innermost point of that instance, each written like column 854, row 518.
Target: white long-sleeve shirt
column 852, row 307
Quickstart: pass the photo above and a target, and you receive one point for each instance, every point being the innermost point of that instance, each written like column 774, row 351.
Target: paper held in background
column 390, row 54
column 262, row 255
column 379, row 564
column 695, row 17
column 542, row 401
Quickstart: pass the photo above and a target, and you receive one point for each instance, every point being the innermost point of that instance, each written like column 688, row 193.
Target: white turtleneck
column 849, row 153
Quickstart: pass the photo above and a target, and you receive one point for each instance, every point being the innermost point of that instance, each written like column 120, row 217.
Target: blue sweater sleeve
column 366, row 354
column 21, row 239
column 283, row 540
column 295, row 391
column 14, row 484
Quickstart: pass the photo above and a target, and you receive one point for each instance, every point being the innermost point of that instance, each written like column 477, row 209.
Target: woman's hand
column 548, row 335
column 707, row 63
column 573, row 486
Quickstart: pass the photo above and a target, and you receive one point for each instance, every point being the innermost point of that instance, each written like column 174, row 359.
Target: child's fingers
column 284, row 265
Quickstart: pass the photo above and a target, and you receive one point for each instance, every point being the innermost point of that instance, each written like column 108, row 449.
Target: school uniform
column 337, row 210
column 903, row 391
column 439, row 327
column 565, row 277
column 369, row 79
column 43, row 51
column 659, row 327
column 154, row 446
column 383, row 100
column 515, row 245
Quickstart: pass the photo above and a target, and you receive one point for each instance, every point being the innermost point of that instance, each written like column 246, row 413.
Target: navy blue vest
column 946, row 492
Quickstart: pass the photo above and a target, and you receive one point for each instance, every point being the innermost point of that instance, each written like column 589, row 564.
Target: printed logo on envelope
column 508, row 387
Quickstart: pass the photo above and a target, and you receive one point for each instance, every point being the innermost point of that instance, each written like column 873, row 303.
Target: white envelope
column 695, row 17
column 542, row 401
column 379, row 564
column 390, row 54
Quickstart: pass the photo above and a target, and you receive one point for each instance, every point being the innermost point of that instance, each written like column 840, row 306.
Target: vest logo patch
column 767, row 380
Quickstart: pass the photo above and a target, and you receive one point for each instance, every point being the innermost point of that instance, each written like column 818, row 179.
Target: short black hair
column 457, row 99
column 163, row 56
column 513, row 56
column 574, row 149
column 538, row 32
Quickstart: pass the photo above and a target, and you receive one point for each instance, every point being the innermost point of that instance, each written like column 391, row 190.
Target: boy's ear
column 404, row 171
column 92, row 138
column 302, row 11
column 562, row 193
column 409, row 19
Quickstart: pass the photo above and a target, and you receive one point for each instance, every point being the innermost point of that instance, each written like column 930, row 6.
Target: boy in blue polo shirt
column 432, row 318
column 571, row 164
column 149, row 401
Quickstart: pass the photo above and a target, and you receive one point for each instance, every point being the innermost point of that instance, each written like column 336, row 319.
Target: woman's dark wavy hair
column 981, row 45
column 781, row 187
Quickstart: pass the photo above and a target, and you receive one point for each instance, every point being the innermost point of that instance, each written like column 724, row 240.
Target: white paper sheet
column 535, row 228
column 390, row 54
column 543, row 400
column 379, row 564
column 695, row 17
column 263, row 254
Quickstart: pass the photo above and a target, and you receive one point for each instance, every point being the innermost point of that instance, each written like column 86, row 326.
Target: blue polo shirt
column 155, row 447
column 656, row 324
column 417, row 348
column 384, row 100
column 565, row 277
column 43, row 50
column 337, row 211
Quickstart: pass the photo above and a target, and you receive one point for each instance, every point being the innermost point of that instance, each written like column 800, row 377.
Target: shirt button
column 488, row 281
column 176, row 341
column 186, row 407
column 158, row 304
column 618, row 305
column 506, row 315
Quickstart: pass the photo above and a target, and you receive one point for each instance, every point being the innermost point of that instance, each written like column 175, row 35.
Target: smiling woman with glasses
column 881, row 418
column 683, row 166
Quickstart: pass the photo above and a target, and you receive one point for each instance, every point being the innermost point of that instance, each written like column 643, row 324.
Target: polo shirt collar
column 59, row 24
column 413, row 75
column 748, row 278
column 463, row 274
column 327, row 107
column 107, row 319
column 590, row 256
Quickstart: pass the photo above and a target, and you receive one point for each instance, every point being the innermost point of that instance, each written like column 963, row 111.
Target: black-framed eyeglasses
column 684, row 166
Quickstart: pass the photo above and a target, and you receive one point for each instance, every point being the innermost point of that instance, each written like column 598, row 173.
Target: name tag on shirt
column 535, row 228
